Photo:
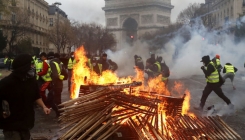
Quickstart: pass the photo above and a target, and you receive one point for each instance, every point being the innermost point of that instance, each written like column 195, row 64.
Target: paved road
column 47, row 126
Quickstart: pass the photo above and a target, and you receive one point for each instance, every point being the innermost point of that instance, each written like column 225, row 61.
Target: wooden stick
column 101, row 129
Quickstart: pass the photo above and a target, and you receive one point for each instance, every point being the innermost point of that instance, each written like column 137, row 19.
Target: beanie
column 22, row 61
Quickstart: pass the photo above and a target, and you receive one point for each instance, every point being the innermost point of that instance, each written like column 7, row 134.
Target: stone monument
column 128, row 20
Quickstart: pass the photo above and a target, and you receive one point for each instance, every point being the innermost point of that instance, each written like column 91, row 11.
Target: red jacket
column 44, row 70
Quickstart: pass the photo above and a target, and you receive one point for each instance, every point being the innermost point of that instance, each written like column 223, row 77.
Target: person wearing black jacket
column 213, row 83
column 18, row 92
column 229, row 71
column 104, row 63
column 138, row 61
column 54, row 98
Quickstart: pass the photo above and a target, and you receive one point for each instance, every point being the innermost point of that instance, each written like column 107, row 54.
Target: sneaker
column 198, row 108
column 231, row 106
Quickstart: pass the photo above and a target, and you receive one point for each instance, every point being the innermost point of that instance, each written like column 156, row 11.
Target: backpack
column 165, row 70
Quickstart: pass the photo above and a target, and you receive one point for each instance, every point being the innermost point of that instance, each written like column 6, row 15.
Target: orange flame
column 83, row 75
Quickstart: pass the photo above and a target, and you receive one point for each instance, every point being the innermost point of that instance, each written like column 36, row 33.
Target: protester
column 19, row 91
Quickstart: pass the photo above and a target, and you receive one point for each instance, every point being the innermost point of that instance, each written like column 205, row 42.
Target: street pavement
column 48, row 127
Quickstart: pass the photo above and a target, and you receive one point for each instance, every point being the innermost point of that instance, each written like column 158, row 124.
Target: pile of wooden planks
column 99, row 114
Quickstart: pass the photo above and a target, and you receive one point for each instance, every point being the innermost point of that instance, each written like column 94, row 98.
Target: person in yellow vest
column 229, row 71
column 6, row 59
column 217, row 64
column 10, row 61
column 57, row 80
column 71, row 62
column 45, row 74
column 213, row 83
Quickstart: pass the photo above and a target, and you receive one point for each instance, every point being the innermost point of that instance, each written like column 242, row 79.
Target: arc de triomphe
column 130, row 19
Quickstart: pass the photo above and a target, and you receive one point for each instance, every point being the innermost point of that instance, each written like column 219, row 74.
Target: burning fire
column 83, row 75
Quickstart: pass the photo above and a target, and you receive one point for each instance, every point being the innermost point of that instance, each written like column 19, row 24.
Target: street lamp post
column 58, row 43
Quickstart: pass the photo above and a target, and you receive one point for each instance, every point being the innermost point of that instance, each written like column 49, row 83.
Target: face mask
column 203, row 64
column 31, row 72
column 72, row 55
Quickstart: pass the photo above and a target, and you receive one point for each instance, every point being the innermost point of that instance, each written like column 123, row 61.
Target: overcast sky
column 90, row 10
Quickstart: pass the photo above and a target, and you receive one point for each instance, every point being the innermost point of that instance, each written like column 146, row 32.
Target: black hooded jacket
column 20, row 91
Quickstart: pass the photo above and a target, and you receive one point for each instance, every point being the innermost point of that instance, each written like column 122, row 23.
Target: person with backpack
column 57, row 81
column 229, row 71
column 217, row 64
column 213, row 83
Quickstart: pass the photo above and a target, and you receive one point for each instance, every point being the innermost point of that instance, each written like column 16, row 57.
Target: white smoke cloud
column 124, row 57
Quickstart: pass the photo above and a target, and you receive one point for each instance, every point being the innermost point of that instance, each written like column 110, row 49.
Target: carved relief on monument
column 136, row 17
column 112, row 22
column 122, row 18
column 163, row 19
column 146, row 19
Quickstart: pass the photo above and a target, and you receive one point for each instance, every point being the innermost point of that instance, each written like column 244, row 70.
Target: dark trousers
column 54, row 99
column 17, row 135
column 69, row 79
column 217, row 89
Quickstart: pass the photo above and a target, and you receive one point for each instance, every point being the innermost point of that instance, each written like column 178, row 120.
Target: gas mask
column 31, row 73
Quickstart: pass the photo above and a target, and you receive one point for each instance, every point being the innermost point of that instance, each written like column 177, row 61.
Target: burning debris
column 100, row 114
column 102, row 104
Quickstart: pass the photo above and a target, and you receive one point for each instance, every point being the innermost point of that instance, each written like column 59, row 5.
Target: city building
column 129, row 20
column 225, row 12
column 56, row 15
column 33, row 18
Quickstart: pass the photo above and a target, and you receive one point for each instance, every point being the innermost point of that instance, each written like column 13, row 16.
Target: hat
column 50, row 55
column 104, row 55
column 217, row 56
column 57, row 55
column 205, row 58
column 22, row 60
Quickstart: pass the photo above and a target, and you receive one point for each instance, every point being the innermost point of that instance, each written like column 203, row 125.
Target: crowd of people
column 32, row 76
column 212, row 71
column 154, row 67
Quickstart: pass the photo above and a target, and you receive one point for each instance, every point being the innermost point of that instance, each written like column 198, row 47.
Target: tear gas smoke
column 184, row 57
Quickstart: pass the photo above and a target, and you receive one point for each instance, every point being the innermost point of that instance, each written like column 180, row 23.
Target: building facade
column 225, row 12
column 56, row 15
column 36, row 21
column 131, row 19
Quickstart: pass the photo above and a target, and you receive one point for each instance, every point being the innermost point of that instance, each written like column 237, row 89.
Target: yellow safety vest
column 158, row 69
column 5, row 61
column 89, row 63
column 214, row 76
column 47, row 76
column 229, row 69
column 61, row 77
column 39, row 67
column 139, row 60
column 100, row 68
column 71, row 64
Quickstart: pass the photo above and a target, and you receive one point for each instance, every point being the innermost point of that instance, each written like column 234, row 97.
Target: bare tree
column 93, row 37
column 189, row 13
column 15, row 26
column 62, row 37
column 197, row 14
